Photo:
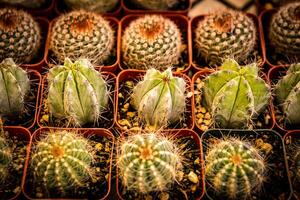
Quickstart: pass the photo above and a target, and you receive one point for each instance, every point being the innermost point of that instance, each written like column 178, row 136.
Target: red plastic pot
column 180, row 21
column 86, row 133
column 135, row 75
column 175, row 134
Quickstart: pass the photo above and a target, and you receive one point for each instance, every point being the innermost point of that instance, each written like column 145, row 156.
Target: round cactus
column 234, row 168
column 284, row 30
column 62, row 162
column 101, row 6
column 222, row 35
column 20, row 35
column 235, row 94
column 14, row 87
column 148, row 162
column 81, row 34
column 155, row 4
column 287, row 94
column 77, row 92
column 152, row 41
column 26, row 3
column 159, row 98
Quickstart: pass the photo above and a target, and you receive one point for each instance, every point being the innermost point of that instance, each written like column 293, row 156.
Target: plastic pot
column 176, row 134
column 277, row 184
column 179, row 20
column 111, row 67
column 109, row 77
column 88, row 133
column 136, row 75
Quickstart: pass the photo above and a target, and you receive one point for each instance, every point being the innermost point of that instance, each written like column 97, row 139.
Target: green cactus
column 152, row 41
column 156, row 4
column 222, row 35
column 101, row 6
column 159, row 98
column 148, row 162
column 26, row 3
column 14, row 87
column 284, row 30
column 234, row 168
column 235, row 94
column 77, row 92
column 61, row 162
column 5, row 155
column 287, row 94
column 82, row 34
column 20, row 35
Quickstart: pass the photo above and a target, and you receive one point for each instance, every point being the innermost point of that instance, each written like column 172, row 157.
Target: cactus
column 284, row 30
column 159, row 98
column 81, row 34
column 77, row 92
column 156, row 4
column 14, row 87
column 61, row 162
column 102, row 6
column 234, row 168
column 148, row 162
column 152, row 41
column 222, row 35
column 235, row 94
column 26, row 3
column 5, row 155
column 287, row 94
column 20, row 35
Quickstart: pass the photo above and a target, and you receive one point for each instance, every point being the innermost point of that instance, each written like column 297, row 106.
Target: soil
column 182, row 5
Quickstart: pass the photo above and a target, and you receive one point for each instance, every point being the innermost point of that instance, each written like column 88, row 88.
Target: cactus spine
column 20, row 35
column 159, row 98
column 287, row 94
column 77, row 92
column 222, row 35
column 92, row 5
column 5, row 155
column 81, row 34
column 152, row 41
column 148, row 162
column 234, row 168
column 14, row 87
column 156, row 4
column 235, row 94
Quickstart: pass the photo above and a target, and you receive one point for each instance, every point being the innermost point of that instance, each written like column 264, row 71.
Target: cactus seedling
column 92, row 5
column 152, row 41
column 159, row 98
column 20, row 35
column 235, row 94
column 156, row 4
column 81, row 34
column 77, row 92
column 287, row 94
column 223, row 35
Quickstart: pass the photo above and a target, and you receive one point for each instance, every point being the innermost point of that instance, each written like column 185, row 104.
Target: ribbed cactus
column 26, row 3
column 61, row 162
column 152, row 41
column 148, row 162
column 159, row 98
column 77, row 92
column 5, row 155
column 287, row 94
column 284, row 30
column 234, row 169
column 101, row 6
column 225, row 34
column 20, row 35
column 235, row 94
column 14, row 87
column 155, row 4
column 81, row 34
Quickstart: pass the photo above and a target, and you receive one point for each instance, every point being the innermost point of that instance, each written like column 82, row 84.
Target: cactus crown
column 155, row 4
column 81, row 34
column 20, row 35
column 234, row 168
column 152, row 41
column 92, row 5
column 225, row 34
column 159, row 98
column 5, row 154
column 148, row 162
column 287, row 94
column 77, row 92
column 235, row 94
column 62, row 161
column 14, row 87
